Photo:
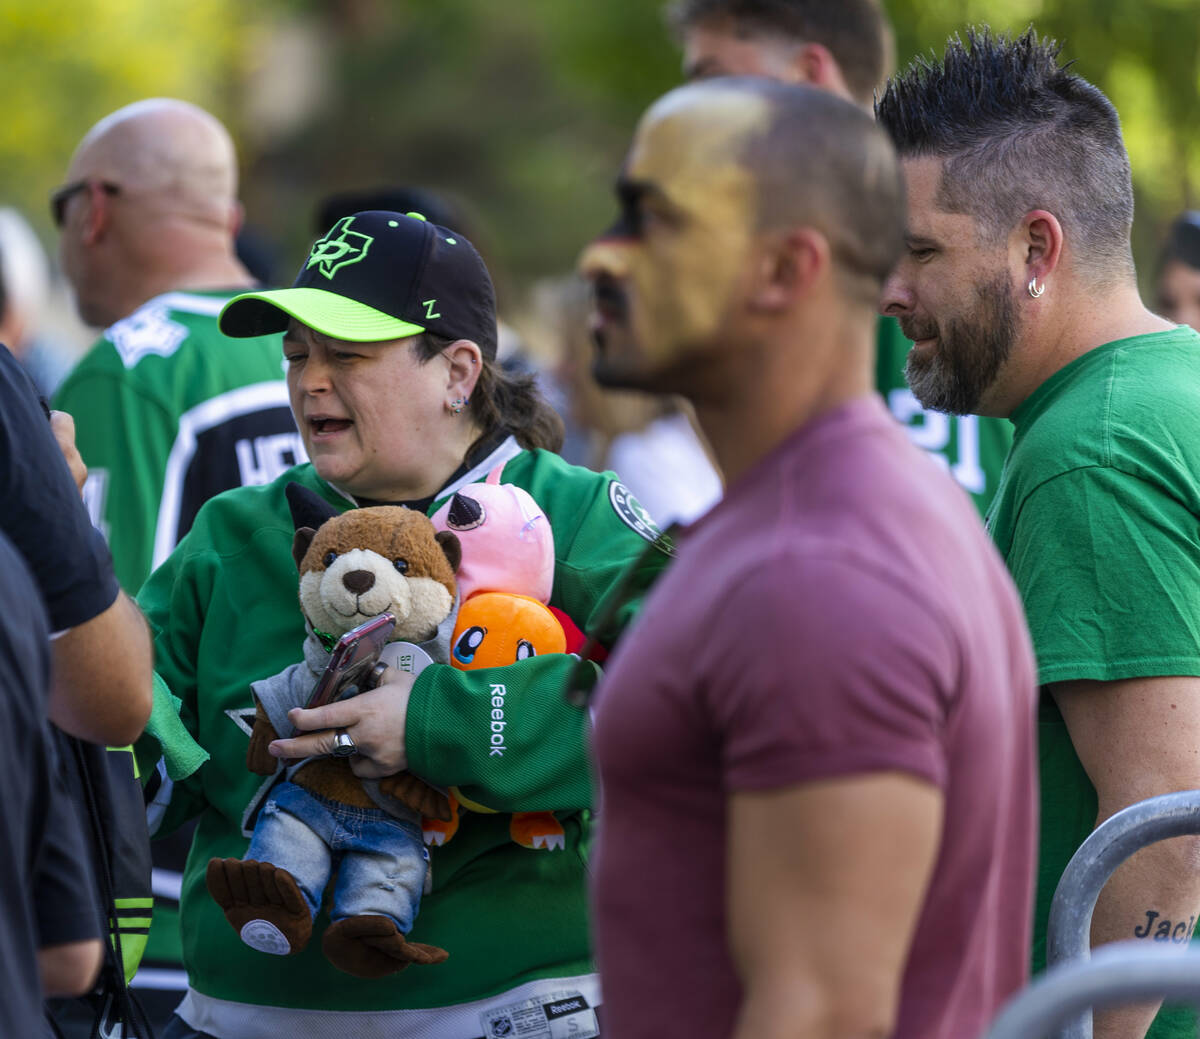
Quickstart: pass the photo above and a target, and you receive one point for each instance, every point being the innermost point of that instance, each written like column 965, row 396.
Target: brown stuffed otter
column 319, row 815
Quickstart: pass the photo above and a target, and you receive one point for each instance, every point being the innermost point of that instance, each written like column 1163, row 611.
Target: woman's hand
column 374, row 720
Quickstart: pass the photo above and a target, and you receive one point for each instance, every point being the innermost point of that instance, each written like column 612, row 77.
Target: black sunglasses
column 583, row 677
column 60, row 198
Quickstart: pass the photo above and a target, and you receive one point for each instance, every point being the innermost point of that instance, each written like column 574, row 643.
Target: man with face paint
column 1019, row 288
column 845, row 48
column 816, row 746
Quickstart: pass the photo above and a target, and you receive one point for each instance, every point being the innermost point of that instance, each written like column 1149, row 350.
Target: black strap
column 119, row 1013
column 51, row 1024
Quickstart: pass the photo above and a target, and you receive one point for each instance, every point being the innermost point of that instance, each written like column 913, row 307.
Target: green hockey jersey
column 168, row 412
column 223, row 607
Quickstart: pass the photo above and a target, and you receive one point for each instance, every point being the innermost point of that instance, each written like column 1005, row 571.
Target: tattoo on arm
column 1161, row 929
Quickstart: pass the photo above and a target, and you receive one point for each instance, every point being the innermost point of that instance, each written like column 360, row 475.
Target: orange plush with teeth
column 505, row 579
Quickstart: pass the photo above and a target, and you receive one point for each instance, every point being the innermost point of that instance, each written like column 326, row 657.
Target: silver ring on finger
column 343, row 744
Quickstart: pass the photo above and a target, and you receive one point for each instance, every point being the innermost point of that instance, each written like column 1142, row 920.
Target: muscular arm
column 101, row 685
column 812, row 870
column 1138, row 738
column 102, row 676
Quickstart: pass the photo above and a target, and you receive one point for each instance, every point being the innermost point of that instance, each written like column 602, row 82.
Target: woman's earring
column 458, row 404
column 1034, row 291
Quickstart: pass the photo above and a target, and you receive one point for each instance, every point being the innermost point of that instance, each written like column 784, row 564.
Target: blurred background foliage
column 520, row 109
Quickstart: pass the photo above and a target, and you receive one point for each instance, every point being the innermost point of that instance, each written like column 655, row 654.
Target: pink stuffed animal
column 507, row 547
column 505, row 536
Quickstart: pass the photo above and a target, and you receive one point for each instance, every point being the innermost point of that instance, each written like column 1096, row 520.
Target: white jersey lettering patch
column 261, row 459
column 931, row 431
column 95, row 493
column 146, row 331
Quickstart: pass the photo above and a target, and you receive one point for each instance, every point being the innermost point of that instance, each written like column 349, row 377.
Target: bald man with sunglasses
column 168, row 411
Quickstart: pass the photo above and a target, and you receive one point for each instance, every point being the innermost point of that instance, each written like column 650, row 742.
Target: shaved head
column 149, row 205
column 169, row 153
column 823, row 163
column 811, row 160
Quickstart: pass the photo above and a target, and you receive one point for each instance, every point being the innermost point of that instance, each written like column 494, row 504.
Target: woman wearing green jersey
column 389, row 341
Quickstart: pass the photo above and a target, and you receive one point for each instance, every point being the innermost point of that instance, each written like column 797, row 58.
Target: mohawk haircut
column 856, row 32
column 1018, row 131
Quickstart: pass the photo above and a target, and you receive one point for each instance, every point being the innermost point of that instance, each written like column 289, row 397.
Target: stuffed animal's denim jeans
column 381, row 860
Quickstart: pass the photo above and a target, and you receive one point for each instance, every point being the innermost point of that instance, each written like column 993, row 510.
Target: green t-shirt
column 1098, row 518
column 971, row 447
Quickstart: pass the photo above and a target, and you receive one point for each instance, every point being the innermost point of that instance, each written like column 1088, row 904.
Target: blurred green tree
column 67, row 63
column 520, row 110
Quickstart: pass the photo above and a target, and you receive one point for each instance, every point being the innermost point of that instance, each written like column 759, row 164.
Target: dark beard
column 969, row 352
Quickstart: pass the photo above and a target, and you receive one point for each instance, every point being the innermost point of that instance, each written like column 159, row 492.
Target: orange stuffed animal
column 498, row 628
column 504, row 581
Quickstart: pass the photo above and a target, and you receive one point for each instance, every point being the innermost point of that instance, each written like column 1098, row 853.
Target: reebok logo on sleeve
column 497, row 747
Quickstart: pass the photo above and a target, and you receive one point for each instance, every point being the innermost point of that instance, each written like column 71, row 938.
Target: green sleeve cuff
column 182, row 754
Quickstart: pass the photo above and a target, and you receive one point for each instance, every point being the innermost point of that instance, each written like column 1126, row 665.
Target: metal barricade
column 1068, row 934
column 1115, row 975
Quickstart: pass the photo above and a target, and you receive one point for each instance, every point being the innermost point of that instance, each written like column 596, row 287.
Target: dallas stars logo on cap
column 339, row 248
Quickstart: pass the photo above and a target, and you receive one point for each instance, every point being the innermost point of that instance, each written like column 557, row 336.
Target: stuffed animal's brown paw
column 262, row 903
column 258, row 758
column 417, row 795
column 537, row 830
column 373, row 947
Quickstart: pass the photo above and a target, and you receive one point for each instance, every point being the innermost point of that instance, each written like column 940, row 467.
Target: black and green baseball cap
column 379, row 275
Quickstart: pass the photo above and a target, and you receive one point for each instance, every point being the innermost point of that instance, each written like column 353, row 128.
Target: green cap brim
column 267, row 313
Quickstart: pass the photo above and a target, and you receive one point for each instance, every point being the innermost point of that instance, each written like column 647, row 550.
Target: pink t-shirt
column 840, row 612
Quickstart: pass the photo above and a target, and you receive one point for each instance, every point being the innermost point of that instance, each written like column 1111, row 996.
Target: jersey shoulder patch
column 148, row 331
column 631, row 512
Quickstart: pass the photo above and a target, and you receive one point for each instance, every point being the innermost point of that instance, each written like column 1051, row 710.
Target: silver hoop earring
column 1034, row 291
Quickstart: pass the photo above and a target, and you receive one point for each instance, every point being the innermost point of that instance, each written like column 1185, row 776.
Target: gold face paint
column 675, row 267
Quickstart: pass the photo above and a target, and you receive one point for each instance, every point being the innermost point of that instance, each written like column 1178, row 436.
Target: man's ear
column 790, row 263
column 814, row 64
column 1038, row 241
column 237, row 219
column 98, row 218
